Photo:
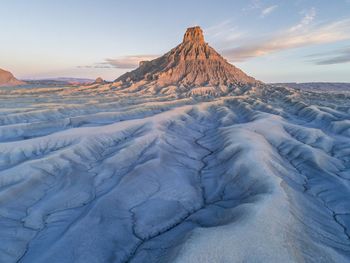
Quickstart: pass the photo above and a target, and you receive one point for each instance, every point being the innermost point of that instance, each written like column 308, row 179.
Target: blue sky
column 274, row 41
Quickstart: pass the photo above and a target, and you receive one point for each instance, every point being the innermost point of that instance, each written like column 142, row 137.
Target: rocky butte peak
column 99, row 80
column 194, row 35
column 7, row 79
column 190, row 68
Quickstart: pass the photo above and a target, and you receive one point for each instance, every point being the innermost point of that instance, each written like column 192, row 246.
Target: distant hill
column 315, row 86
column 60, row 81
column 7, row 79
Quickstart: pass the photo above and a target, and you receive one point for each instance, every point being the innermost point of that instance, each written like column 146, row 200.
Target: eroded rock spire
column 191, row 64
column 194, row 34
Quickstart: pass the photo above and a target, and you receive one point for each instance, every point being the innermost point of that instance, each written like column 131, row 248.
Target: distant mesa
column 59, row 81
column 7, row 79
column 99, row 80
column 191, row 64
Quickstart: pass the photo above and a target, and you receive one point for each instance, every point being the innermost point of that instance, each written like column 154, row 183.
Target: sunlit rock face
column 7, row 79
column 192, row 64
column 194, row 35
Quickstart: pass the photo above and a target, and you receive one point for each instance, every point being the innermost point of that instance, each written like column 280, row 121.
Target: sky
column 274, row 41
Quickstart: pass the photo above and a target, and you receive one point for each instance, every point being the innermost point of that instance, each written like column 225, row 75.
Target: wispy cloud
column 302, row 34
column 329, row 58
column 268, row 10
column 257, row 5
column 308, row 17
column 126, row 62
column 253, row 4
column 225, row 32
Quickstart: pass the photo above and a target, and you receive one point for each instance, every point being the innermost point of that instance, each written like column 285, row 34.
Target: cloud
column 335, row 57
column 257, row 5
column 126, row 62
column 254, row 4
column 267, row 11
column 308, row 17
column 224, row 33
column 302, row 34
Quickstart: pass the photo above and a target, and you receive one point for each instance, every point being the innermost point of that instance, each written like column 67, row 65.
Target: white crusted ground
column 89, row 174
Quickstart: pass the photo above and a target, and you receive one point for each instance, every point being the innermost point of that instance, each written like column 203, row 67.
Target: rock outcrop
column 7, row 79
column 99, row 80
column 192, row 64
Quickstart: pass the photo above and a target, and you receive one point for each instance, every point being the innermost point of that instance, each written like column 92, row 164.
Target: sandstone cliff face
column 7, row 79
column 191, row 64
